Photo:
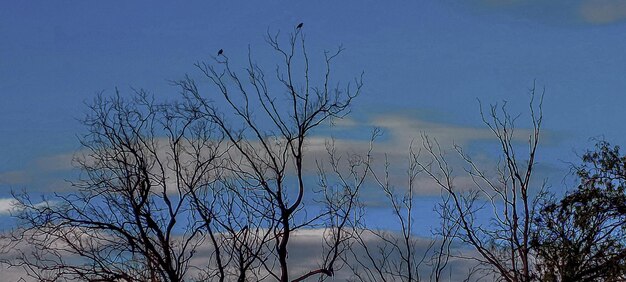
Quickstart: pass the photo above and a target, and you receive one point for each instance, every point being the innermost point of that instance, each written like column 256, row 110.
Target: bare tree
column 162, row 182
column 342, row 203
column 269, row 153
column 130, row 218
column 503, row 243
column 381, row 255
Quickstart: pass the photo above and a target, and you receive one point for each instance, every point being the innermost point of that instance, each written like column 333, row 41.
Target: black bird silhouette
column 300, row 25
column 220, row 52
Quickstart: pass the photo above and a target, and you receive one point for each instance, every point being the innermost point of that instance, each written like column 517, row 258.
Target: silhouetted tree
column 582, row 236
column 161, row 182
column 130, row 218
column 503, row 242
column 383, row 255
column 267, row 126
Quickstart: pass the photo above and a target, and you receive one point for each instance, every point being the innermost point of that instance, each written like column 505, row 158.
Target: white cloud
column 7, row 206
column 404, row 130
column 399, row 132
column 14, row 274
column 305, row 252
column 11, row 205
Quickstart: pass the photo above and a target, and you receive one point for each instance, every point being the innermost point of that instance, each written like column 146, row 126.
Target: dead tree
column 382, row 255
column 268, row 123
column 161, row 182
column 502, row 243
column 130, row 217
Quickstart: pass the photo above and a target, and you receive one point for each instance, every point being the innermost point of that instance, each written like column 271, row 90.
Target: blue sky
column 425, row 64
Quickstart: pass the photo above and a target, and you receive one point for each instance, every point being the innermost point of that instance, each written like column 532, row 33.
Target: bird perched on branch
column 299, row 26
column 220, row 52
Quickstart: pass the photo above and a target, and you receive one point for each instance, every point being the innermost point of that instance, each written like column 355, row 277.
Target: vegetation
column 226, row 172
column 581, row 237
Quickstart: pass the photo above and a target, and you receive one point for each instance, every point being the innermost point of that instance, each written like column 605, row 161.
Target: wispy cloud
column 400, row 131
column 14, row 177
column 603, row 11
column 568, row 12
column 43, row 174
column 58, row 162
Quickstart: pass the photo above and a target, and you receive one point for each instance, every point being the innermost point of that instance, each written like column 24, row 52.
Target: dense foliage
column 581, row 237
